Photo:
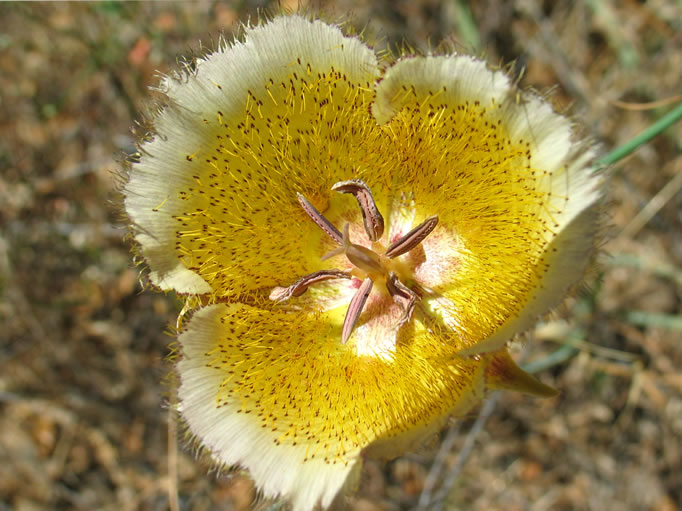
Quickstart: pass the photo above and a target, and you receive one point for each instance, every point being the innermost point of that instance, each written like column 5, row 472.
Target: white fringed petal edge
column 465, row 80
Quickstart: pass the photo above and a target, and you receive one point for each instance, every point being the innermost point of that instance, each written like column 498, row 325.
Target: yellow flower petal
column 213, row 198
column 511, row 190
column 278, row 394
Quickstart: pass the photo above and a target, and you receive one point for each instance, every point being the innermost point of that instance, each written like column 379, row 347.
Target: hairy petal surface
column 213, row 198
column 279, row 395
column 506, row 181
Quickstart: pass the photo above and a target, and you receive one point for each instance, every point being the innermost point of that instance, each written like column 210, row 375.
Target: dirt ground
column 83, row 371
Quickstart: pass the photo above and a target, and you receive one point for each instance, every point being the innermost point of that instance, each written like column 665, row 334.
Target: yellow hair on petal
column 303, row 387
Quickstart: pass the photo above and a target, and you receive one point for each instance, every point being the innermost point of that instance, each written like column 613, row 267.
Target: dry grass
column 82, row 353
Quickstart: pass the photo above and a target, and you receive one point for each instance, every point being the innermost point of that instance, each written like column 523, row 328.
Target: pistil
column 362, row 257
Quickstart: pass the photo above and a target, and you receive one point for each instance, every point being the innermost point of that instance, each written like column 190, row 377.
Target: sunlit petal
column 213, row 198
column 505, row 178
column 279, row 395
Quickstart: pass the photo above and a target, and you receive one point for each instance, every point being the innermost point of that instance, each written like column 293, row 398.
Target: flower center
column 368, row 265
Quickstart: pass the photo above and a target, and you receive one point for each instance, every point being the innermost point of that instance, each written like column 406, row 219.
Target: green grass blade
column 662, row 124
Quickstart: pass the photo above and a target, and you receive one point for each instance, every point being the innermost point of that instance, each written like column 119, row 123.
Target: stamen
column 402, row 295
column 370, row 263
column 412, row 238
column 320, row 220
column 355, row 309
column 374, row 222
column 280, row 294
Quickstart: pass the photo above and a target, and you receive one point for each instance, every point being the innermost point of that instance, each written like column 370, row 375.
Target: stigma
column 373, row 267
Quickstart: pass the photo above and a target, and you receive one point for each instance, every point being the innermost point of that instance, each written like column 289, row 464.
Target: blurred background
column 84, row 419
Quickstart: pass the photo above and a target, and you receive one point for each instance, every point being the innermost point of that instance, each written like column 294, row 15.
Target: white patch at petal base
column 377, row 330
column 237, row 439
column 401, row 218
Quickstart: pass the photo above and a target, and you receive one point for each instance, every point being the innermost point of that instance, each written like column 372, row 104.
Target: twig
column 656, row 203
column 583, row 345
column 555, row 358
column 572, row 79
column 645, row 136
column 654, row 320
column 434, row 474
column 648, row 264
column 647, row 106
column 173, row 503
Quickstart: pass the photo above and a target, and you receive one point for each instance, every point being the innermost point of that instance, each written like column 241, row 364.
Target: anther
column 371, row 217
column 357, row 304
column 280, row 294
column 412, row 238
column 320, row 220
column 403, row 296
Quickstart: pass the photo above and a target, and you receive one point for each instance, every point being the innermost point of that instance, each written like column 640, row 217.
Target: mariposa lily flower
column 357, row 241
